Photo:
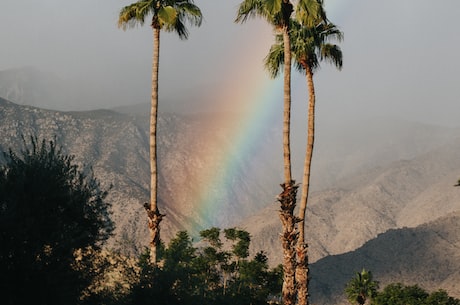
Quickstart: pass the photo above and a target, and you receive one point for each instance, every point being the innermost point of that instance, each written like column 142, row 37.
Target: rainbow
column 259, row 100
column 253, row 101
column 261, row 112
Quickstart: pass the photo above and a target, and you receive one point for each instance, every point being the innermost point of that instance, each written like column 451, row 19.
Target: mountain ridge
column 366, row 197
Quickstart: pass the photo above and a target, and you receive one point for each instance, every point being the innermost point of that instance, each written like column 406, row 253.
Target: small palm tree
column 309, row 45
column 170, row 16
column 361, row 288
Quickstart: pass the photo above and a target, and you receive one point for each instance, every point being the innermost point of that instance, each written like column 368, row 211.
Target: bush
column 50, row 213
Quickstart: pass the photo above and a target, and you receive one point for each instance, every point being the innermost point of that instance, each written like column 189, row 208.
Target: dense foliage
column 398, row 294
column 213, row 273
column 362, row 289
column 51, row 214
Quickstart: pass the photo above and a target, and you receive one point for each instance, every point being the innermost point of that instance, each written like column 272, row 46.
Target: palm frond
column 310, row 12
column 191, row 13
column 332, row 54
column 270, row 10
column 274, row 59
column 167, row 16
column 134, row 14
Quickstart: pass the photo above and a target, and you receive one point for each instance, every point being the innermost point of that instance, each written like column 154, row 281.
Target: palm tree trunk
column 154, row 216
column 289, row 237
column 287, row 198
column 302, row 246
column 287, row 107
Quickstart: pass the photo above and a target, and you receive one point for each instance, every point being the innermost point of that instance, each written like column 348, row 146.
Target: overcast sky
column 400, row 57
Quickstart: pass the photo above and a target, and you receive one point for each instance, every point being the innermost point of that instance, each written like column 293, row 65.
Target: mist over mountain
column 382, row 189
column 33, row 87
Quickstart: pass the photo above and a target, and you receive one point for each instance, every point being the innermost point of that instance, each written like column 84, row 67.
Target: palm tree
column 361, row 288
column 170, row 16
column 309, row 45
column 277, row 13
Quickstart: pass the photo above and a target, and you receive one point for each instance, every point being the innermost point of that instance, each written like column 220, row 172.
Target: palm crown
column 168, row 15
column 361, row 288
column 309, row 46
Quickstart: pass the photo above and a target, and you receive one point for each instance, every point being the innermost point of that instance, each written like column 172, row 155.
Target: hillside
column 116, row 146
column 427, row 255
column 369, row 179
column 404, row 193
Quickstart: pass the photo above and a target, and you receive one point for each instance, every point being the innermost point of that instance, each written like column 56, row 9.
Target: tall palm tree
column 361, row 288
column 309, row 45
column 170, row 16
column 277, row 13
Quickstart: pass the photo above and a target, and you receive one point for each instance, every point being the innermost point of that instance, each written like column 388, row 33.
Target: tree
column 361, row 288
column 51, row 214
column 170, row 16
column 208, row 274
column 278, row 14
column 309, row 45
column 398, row 294
column 441, row 297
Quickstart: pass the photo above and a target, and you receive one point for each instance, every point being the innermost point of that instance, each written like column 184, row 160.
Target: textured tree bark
column 289, row 235
column 287, row 198
column 287, row 107
column 301, row 274
column 154, row 216
column 302, row 247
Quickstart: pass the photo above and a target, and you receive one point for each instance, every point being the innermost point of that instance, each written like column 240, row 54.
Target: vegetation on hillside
column 363, row 289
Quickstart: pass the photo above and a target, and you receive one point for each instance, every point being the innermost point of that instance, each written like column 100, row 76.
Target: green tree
column 441, row 297
column 241, row 248
column 207, row 274
column 170, row 16
column 51, row 214
column 398, row 294
column 361, row 288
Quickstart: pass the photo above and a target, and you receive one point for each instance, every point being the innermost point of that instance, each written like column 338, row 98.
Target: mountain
column 404, row 193
column 427, row 255
column 370, row 179
column 116, row 146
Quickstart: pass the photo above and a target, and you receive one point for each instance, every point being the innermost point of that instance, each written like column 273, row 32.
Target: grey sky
column 399, row 56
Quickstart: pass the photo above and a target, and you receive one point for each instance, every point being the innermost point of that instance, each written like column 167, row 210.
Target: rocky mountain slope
column 404, row 193
column 427, row 255
column 116, row 146
column 373, row 182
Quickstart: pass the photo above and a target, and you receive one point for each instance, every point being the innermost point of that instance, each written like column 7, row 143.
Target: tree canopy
column 399, row 294
column 51, row 211
column 216, row 272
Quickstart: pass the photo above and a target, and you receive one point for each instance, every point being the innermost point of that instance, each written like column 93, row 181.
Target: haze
column 400, row 57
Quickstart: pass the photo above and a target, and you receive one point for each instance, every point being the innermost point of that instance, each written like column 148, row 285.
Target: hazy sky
column 400, row 57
